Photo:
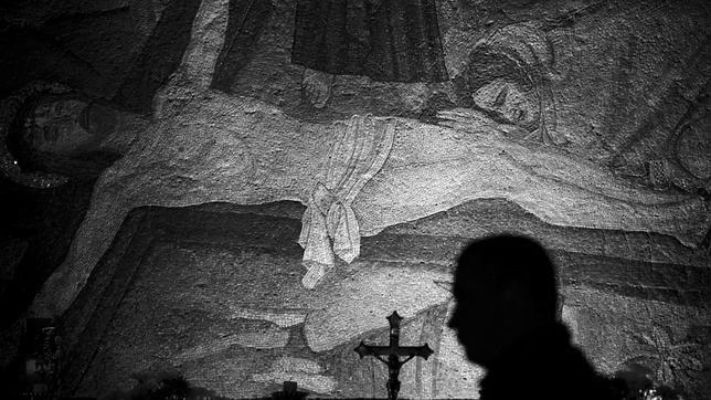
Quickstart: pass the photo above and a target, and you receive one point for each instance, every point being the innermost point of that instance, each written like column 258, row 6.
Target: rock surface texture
column 214, row 292
column 242, row 236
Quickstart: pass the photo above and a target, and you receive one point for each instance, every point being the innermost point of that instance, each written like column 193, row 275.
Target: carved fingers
column 464, row 119
column 316, row 86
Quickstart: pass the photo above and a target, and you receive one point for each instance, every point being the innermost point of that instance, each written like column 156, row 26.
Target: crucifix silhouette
column 393, row 352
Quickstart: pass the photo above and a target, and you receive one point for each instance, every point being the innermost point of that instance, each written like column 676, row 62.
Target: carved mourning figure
column 386, row 40
column 508, row 77
column 505, row 316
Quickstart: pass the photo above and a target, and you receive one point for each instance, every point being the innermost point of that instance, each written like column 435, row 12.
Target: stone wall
column 584, row 124
column 213, row 292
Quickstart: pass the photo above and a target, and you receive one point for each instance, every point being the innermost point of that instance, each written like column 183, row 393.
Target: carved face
column 509, row 101
column 67, row 126
column 501, row 84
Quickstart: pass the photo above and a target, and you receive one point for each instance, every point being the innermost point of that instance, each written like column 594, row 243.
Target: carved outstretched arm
column 206, row 40
column 196, row 70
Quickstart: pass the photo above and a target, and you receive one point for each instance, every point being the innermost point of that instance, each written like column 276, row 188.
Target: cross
column 393, row 352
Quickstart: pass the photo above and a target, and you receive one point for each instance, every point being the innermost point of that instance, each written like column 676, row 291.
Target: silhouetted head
column 505, row 286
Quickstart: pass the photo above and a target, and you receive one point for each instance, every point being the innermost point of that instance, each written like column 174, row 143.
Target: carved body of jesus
column 224, row 148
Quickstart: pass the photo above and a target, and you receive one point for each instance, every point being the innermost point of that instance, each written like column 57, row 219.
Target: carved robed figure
column 386, row 40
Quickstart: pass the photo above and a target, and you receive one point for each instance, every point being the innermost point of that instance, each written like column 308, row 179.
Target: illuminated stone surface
column 592, row 135
column 214, row 291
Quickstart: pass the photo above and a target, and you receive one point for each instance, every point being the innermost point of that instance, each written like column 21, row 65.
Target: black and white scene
column 355, row 199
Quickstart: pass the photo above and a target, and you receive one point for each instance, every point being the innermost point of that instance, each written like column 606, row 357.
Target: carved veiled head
column 498, row 83
column 508, row 77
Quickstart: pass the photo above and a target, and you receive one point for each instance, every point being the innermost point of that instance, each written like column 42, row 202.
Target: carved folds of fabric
column 329, row 225
column 386, row 40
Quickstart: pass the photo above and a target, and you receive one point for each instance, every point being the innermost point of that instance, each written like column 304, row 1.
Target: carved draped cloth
column 387, row 40
column 329, row 224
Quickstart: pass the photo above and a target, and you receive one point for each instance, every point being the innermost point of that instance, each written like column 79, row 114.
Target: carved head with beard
column 50, row 134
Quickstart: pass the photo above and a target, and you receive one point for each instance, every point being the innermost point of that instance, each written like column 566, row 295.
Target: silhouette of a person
column 506, row 318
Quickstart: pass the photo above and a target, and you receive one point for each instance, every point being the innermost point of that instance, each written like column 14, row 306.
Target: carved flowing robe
column 387, row 40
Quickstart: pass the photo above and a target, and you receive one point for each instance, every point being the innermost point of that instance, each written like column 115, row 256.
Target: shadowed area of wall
column 213, row 291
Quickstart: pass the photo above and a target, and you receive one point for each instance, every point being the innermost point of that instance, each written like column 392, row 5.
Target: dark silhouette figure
column 507, row 319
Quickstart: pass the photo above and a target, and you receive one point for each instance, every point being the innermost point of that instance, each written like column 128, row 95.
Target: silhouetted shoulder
column 545, row 365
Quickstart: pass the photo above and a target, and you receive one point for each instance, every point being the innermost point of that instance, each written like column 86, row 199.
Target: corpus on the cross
column 393, row 352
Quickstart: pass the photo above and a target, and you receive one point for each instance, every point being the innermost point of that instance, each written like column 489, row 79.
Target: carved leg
column 393, row 388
